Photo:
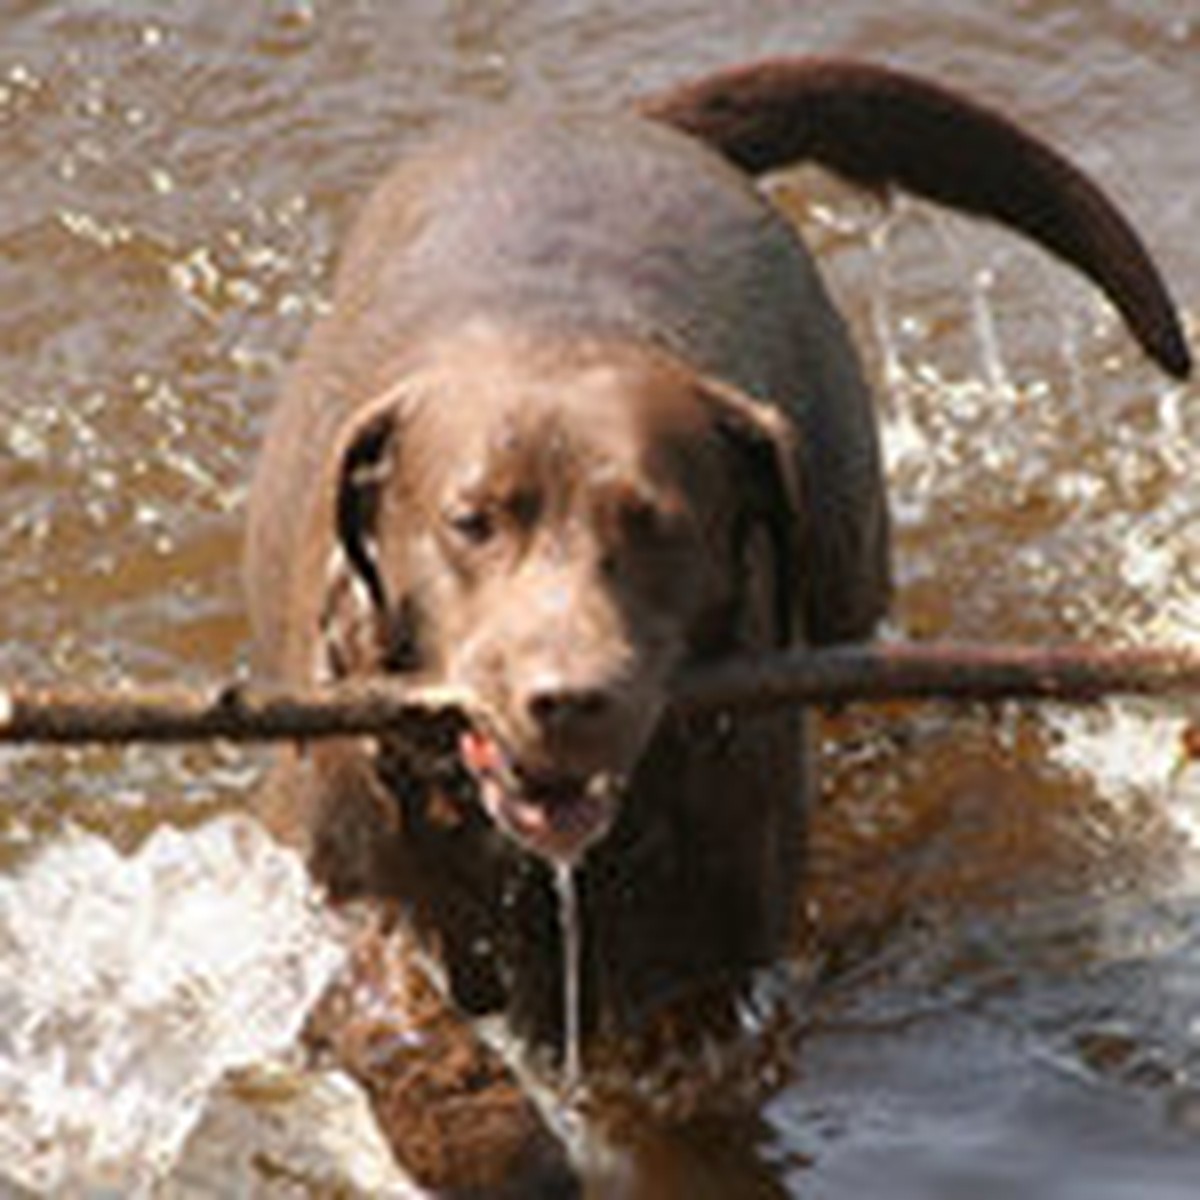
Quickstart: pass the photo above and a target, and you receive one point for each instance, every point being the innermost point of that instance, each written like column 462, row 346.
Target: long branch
column 954, row 672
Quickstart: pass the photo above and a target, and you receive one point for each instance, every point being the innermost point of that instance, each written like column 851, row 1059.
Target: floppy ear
column 764, row 443
column 360, row 623
column 363, row 468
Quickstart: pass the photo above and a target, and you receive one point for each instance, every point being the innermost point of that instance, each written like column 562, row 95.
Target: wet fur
column 521, row 261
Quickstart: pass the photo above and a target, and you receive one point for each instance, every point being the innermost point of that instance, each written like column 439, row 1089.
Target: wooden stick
column 946, row 671
column 237, row 713
column 873, row 673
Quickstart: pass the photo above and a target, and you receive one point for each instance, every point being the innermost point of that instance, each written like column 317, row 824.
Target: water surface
column 1009, row 900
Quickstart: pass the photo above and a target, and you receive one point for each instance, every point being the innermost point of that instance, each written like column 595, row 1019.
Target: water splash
column 883, row 321
column 1128, row 749
column 278, row 1133
column 129, row 986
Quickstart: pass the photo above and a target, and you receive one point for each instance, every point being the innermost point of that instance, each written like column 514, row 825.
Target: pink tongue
column 557, row 832
column 481, row 754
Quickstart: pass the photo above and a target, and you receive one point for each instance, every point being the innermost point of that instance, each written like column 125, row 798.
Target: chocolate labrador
column 582, row 415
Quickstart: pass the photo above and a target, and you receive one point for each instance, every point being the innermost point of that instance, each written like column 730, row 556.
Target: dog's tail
column 880, row 128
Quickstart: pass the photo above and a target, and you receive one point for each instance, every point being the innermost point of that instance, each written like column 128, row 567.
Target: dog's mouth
column 558, row 816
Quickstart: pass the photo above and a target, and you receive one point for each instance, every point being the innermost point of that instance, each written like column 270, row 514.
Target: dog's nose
column 556, row 704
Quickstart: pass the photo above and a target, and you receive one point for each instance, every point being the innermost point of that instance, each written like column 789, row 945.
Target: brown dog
column 582, row 415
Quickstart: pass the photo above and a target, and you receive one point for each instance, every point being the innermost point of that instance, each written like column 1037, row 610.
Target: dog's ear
column 362, row 627
column 763, row 442
column 364, row 465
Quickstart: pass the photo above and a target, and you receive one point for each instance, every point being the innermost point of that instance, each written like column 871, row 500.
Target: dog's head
column 553, row 528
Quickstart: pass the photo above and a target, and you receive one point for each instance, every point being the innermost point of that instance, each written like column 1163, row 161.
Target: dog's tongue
column 556, row 820
column 482, row 755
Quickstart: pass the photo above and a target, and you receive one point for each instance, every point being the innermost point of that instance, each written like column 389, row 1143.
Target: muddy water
column 1008, row 902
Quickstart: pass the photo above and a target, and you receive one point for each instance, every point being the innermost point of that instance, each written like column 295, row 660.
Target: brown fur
column 583, row 415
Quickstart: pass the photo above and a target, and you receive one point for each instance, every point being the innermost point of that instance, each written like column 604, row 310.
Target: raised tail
column 881, row 128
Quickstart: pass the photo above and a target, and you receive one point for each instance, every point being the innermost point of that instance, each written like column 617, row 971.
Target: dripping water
column 568, row 920
column 983, row 316
column 882, row 317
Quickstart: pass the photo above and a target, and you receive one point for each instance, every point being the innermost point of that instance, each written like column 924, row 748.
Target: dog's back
column 596, row 223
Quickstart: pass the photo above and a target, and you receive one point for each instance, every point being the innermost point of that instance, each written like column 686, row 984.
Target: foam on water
column 130, row 986
column 280, row 1131
column 1126, row 749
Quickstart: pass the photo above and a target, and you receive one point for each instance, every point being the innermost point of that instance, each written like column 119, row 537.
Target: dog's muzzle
column 557, row 817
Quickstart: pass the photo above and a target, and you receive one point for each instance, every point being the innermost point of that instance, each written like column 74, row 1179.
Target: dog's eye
column 475, row 526
column 652, row 523
column 648, row 533
column 642, row 521
column 477, row 522
column 524, row 507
